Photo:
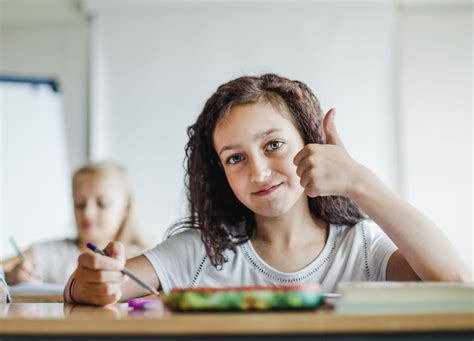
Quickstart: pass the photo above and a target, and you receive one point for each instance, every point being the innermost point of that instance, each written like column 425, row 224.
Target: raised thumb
column 332, row 137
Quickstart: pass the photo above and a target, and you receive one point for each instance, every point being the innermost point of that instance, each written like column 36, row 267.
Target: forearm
column 419, row 240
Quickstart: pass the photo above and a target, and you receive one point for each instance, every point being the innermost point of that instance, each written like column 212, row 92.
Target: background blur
column 133, row 75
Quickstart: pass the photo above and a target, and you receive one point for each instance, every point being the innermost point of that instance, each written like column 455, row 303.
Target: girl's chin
column 275, row 211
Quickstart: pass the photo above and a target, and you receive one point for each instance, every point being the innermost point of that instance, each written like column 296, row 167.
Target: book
column 404, row 298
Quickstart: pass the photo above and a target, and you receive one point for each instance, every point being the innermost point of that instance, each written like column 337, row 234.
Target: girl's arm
column 143, row 269
column 98, row 280
column 17, row 271
column 423, row 251
column 10, row 263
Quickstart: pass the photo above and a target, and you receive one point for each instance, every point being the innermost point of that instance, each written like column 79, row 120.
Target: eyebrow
column 257, row 136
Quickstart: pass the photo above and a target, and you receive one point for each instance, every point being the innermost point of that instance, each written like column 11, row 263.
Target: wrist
column 69, row 291
column 359, row 182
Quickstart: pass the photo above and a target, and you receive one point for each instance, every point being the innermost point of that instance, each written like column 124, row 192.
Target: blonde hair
column 130, row 231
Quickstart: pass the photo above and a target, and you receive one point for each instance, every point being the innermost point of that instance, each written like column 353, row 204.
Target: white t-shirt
column 55, row 260
column 358, row 253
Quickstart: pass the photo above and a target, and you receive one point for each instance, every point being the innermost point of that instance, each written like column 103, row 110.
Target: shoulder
column 185, row 242
column 364, row 230
column 185, row 236
column 365, row 236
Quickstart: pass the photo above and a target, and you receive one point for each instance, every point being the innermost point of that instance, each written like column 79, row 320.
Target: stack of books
column 404, row 298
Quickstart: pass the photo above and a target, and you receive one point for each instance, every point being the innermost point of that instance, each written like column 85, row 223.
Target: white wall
column 35, row 191
column 155, row 64
column 47, row 38
column 436, row 117
column 50, row 38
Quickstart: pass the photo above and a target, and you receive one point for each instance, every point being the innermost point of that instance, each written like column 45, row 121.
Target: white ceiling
column 34, row 13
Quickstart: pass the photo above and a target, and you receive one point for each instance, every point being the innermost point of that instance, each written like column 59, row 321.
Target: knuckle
column 100, row 276
column 311, row 162
column 87, row 260
column 109, row 289
column 83, row 257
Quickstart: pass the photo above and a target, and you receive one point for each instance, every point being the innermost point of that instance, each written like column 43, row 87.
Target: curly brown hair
column 213, row 207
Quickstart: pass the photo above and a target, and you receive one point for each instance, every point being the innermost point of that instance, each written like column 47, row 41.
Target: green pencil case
column 257, row 298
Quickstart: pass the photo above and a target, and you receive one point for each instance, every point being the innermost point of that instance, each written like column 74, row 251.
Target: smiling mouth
column 267, row 190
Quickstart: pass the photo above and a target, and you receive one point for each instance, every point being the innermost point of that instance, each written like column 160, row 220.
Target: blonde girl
column 104, row 210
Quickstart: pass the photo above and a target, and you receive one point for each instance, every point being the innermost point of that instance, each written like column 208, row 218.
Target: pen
column 126, row 271
column 17, row 249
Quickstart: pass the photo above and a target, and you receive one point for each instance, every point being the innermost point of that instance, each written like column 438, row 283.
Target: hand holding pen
column 98, row 279
column 126, row 271
column 23, row 271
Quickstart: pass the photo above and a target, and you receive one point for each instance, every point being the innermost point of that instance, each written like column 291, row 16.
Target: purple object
column 143, row 303
column 91, row 246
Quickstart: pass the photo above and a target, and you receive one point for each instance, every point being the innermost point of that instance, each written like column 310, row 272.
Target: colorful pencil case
column 244, row 298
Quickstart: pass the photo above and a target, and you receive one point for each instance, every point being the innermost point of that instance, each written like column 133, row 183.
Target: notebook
column 404, row 298
column 36, row 289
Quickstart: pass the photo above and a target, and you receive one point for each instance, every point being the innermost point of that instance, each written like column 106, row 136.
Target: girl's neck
column 295, row 226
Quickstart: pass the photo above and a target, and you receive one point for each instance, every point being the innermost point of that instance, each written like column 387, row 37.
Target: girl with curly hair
column 275, row 199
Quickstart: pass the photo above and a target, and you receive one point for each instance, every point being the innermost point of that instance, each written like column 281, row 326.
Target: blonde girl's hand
column 22, row 272
column 98, row 278
column 326, row 169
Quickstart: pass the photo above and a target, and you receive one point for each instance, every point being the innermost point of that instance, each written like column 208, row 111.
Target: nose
column 90, row 210
column 259, row 169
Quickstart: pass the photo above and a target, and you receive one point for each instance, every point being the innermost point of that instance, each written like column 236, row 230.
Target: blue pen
column 126, row 271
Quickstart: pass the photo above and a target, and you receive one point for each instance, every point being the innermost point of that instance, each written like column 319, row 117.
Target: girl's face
column 256, row 145
column 100, row 207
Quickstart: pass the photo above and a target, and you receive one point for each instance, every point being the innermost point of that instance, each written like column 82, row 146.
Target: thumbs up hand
column 326, row 169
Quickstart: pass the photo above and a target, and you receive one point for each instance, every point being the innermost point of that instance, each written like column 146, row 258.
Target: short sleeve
column 380, row 249
column 176, row 260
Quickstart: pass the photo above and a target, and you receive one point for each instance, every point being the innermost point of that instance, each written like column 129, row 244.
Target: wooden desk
column 45, row 320
column 27, row 298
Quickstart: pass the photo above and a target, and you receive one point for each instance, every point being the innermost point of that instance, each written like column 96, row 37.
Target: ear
column 329, row 126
